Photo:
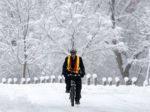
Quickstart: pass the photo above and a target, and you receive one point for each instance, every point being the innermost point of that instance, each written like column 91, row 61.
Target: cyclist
column 74, row 65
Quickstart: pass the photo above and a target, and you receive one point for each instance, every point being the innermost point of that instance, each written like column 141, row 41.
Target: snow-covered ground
column 52, row 98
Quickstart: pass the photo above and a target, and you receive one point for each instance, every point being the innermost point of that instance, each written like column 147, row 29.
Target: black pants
column 78, row 83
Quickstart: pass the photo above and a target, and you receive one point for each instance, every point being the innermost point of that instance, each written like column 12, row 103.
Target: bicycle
column 72, row 89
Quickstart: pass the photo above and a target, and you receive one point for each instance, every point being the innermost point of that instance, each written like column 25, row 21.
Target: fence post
column 117, row 81
column 104, row 81
column 47, row 79
column 88, row 79
column 53, row 79
column 110, row 80
column 35, row 80
column 145, row 83
column 134, row 80
column 23, row 80
column 63, row 79
column 15, row 80
column 28, row 80
column 95, row 79
column 42, row 79
column 60, row 79
column 4, row 80
column 126, row 79
column 9, row 81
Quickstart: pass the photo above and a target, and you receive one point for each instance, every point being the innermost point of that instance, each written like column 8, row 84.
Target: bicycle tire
column 72, row 96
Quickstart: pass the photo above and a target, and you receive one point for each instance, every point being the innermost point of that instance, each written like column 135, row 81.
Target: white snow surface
column 52, row 98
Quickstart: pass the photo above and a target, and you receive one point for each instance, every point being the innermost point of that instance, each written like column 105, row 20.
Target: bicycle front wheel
column 72, row 95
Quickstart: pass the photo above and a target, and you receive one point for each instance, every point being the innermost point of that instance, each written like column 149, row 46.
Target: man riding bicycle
column 74, row 65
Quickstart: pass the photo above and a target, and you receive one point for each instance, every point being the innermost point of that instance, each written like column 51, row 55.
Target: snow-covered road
column 52, row 98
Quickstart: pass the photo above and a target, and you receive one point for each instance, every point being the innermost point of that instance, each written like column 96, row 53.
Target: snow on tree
column 23, row 48
column 127, row 15
column 110, row 35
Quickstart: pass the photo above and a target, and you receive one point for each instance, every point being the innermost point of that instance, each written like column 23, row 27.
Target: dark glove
column 82, row 75
column 65, row 75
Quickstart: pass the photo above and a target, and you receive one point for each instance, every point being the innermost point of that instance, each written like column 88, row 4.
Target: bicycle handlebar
column 71, row 75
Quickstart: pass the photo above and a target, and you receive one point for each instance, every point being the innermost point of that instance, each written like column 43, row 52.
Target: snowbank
column 52, row 98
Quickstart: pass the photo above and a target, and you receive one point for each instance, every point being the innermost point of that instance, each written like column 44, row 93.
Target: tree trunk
column 125, row 72
column 25, row 31
column 25, row 58
column 119, row 61
column 113, row 13
column 24, row 69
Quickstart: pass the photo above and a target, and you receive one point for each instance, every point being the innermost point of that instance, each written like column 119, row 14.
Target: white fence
column 88, row 79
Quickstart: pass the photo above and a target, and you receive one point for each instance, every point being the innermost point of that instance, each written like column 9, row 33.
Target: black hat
column 73, row 51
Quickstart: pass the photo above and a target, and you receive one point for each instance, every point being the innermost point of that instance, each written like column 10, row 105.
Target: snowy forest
column 112, row 37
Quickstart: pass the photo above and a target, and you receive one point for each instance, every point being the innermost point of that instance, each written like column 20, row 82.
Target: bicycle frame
column 72, row 89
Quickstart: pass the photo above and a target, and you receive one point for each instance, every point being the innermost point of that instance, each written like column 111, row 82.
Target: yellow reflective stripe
column 68, row 64
column 68, row 60
column 77, row 69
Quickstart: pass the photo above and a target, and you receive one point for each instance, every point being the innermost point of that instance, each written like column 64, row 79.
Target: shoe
column 67, row 91
column 77, row 102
